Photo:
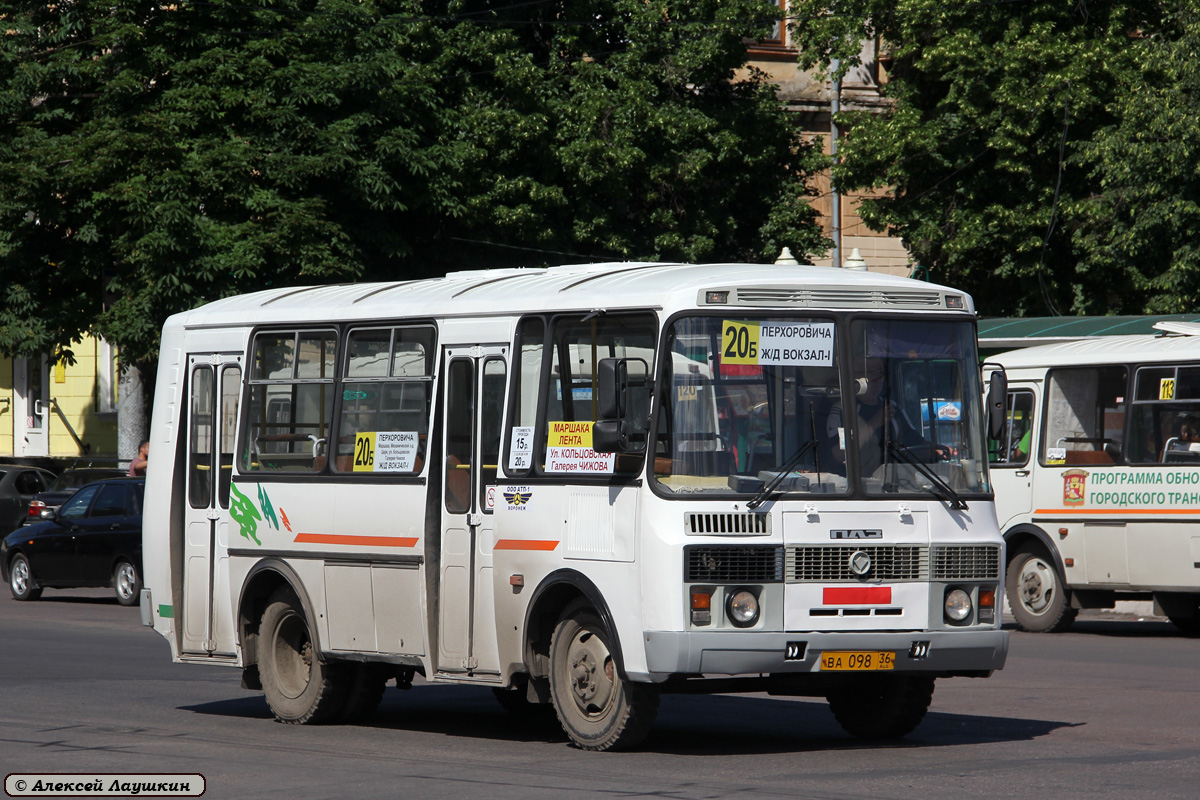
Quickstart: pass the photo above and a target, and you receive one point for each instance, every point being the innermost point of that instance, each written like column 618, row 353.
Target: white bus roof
column 1103, row 350
column 588, row 286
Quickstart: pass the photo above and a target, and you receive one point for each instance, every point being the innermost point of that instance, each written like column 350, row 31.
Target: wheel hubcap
column 125, row 581
column 1038, row 585
column 293, row 656
column 593, row 683
column 20, row 577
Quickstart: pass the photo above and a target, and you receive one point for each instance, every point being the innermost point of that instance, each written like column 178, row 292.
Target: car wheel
column 299, row 687
column 20, row 579
column 127, row 583
column 597, row 708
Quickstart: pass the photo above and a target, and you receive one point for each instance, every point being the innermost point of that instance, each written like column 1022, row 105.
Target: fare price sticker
column 520, row 454
column 788, row 344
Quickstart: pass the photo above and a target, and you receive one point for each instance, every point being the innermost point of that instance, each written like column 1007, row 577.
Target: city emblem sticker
column 1074, row 486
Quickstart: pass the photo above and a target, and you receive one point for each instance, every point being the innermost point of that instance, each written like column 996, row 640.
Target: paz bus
column 1097, row 476
column 581, row 486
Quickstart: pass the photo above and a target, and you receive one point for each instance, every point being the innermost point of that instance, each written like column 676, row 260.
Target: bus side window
column 579, row 343
column 526, row 379
column 1014, row 445
column 1085, row 415
column 1165, row 423
column 385, row 389
column 290, row 401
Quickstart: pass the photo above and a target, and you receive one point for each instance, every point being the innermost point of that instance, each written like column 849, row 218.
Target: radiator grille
column 743, row 524
column 750, row 564
column 832, row 563
column 966, row 562
column 841, row 298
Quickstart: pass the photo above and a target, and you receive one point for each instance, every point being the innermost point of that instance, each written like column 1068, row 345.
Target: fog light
column 742, row 608
column 958, row 606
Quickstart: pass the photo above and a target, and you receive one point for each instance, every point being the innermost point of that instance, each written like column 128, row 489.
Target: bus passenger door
column 1015, row 457
column 214, row 387
column 473, row 408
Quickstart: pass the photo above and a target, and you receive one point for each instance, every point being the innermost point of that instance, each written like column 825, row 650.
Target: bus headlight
column 957, row 606
column 741, row 606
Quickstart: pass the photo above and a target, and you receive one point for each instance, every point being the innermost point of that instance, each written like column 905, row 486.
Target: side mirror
column 622, row 405
column 48, row 513
column 997, row 400
column 610, row 383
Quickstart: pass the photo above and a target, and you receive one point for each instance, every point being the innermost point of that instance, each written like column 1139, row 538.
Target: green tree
column 994, row 105
column 1140, row 230
column 155, row 155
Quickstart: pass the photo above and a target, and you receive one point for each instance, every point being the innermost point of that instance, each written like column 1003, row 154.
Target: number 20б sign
column 793, row 344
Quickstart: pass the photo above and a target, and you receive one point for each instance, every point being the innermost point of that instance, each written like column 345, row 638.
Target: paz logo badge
column 1074, row 486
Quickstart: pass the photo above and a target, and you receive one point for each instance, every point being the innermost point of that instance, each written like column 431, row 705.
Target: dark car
column 63, row 487
column 18, row 485
column 94, row 539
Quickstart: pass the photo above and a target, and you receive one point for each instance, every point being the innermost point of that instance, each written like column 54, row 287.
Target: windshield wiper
column 947, row 493
column 787, row 467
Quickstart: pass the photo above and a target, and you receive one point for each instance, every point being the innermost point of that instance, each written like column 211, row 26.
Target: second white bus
column 1097, row 477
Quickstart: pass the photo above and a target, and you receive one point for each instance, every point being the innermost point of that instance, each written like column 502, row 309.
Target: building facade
column 811, row 97
column 60, row 414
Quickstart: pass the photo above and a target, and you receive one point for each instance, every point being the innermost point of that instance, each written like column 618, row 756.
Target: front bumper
column 741, row 652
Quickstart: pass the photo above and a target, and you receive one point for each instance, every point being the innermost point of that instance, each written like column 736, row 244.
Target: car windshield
column 768, row 404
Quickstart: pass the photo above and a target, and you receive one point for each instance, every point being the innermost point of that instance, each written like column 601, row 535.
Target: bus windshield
column 769, row 406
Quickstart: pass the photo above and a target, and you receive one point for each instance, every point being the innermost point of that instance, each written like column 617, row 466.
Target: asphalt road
column 1110, row 709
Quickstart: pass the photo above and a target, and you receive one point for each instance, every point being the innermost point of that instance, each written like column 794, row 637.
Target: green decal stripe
column 166, row 612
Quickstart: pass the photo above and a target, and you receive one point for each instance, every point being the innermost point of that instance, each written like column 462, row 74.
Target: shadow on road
column 686, row 724
column 1127, row 628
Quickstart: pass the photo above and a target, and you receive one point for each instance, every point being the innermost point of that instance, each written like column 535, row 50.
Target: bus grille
column 841, row 298
column 966, row 562
column 745, row 524
column 760, row 564
column 832, row 563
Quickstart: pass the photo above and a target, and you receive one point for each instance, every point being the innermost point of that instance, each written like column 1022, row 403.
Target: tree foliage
column 155, row 155
column 1019, row 147
column 1140, row 231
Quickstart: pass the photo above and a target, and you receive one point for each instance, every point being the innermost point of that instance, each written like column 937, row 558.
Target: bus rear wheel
column 299, row 688
column 364, row 689
column 597, row 708
column 1036, row 592
column 1183, row 611
column 882, row 706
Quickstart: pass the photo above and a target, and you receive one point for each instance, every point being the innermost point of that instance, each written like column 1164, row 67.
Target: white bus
column 1097, row 477
column 581, row 486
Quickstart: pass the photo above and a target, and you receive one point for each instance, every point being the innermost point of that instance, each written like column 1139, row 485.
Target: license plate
column 857, row 660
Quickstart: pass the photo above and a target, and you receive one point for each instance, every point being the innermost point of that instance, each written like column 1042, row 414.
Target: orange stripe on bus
column 362, row 541
column 524, row 544
column 1087, row 511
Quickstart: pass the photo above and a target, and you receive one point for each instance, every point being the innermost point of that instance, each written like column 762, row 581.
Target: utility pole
column 835, row 197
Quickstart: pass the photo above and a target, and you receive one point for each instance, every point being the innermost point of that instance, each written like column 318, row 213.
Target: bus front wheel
column 596, row 707
column 1036, row 592
column 882, row 706
column 299, row 688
